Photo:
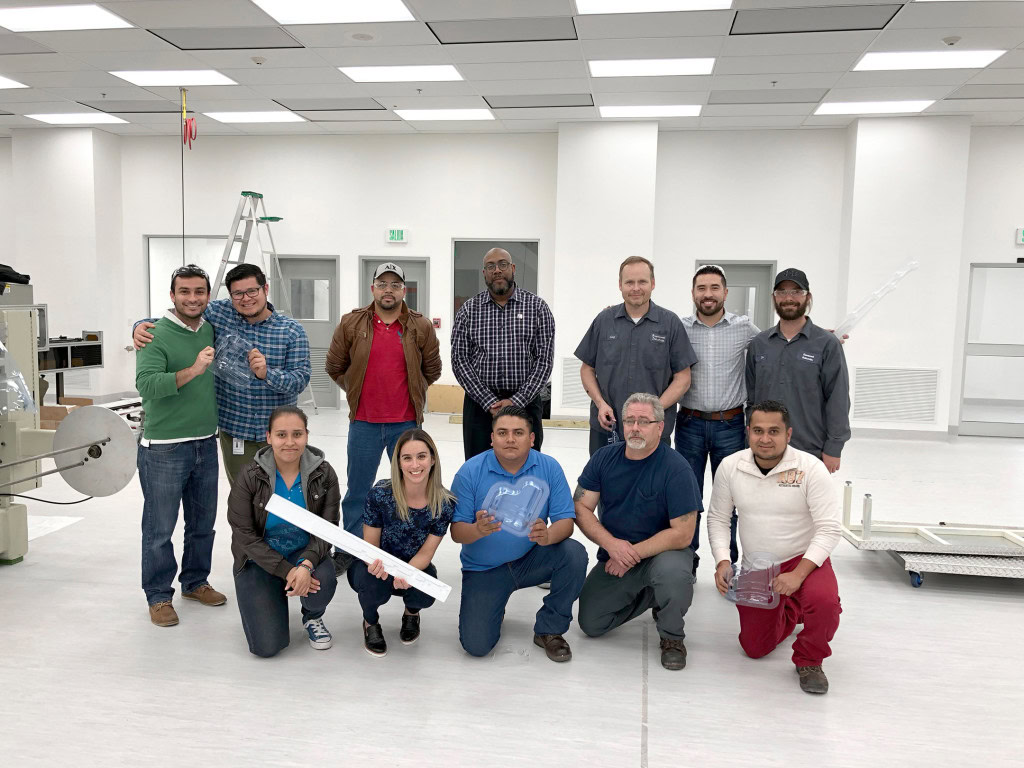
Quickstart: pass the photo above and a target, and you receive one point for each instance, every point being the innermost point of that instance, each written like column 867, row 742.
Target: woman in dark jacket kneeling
column 275, row 560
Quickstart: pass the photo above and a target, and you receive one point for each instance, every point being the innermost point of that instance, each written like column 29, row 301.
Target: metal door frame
column 424, row 260
column 726, row 263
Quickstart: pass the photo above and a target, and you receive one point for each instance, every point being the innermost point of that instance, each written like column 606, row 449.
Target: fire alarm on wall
column 437, row 322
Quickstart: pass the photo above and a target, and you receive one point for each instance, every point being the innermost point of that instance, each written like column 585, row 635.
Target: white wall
column 338, row 194
column 6, row 205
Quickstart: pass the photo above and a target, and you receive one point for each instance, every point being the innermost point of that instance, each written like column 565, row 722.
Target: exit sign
column 1020, row 237
column 397, row 236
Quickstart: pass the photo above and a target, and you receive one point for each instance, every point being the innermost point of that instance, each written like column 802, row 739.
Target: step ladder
column 252, row 213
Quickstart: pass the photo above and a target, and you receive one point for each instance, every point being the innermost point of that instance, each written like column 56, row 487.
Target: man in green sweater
column 177, row 457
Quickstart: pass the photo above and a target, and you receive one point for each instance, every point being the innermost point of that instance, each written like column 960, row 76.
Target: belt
column 713, row 415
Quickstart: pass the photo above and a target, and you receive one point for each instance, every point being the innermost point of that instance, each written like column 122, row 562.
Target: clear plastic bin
column 231, row 361
column 517, row 506
column 752, row 585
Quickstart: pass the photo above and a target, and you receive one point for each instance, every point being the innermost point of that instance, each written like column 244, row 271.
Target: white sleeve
column 826, row 514
column 720, row 511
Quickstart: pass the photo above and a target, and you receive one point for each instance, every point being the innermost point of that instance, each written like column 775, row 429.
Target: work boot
column 410, row 628
column 163, row 614
column 554, row 646
column 206, row 595
column 812, row 679
column 673, row 653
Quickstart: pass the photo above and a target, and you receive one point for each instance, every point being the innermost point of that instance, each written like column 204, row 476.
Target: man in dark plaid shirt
column 503, row 349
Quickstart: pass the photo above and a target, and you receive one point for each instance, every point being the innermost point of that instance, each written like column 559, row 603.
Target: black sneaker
column 373, row 640
column 410, row 631
column 342, row 561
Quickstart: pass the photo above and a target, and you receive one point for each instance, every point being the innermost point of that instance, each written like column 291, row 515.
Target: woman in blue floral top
column 406, row 516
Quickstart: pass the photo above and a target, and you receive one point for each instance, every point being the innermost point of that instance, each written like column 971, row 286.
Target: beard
column 387, row 302
column 499, row 291
column 708, row 312
column 636, row 443
column 791, row 312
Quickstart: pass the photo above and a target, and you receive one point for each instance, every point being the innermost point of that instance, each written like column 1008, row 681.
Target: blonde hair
column 437, row 494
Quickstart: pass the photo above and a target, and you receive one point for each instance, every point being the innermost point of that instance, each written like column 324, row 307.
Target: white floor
column 931, row 676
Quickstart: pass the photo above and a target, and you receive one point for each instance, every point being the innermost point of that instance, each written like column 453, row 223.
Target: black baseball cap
column 795, row 275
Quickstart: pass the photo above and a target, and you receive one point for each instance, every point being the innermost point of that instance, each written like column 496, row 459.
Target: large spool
column 106, row 463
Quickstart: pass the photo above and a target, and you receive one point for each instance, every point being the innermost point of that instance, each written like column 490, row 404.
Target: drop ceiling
column 525, row 60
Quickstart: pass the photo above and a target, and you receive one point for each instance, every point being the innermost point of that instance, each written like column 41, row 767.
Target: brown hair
column 635, row 260
column 437, row 494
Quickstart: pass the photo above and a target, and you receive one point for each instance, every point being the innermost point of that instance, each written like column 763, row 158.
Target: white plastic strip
column 366, row 552
column 865, row 306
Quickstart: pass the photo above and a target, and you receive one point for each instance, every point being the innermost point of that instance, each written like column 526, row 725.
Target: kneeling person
column 649, row 511
column 786, row 505
column 406, row 516
column 275, row 560
column 495, row 563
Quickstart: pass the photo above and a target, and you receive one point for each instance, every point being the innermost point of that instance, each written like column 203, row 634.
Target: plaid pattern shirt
column 503, row 349
column 717, row 378
column 244, row 412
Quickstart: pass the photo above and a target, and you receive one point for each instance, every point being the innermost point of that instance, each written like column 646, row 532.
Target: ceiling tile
column 540, row 100
column 44, row 107
column 890, row 93
column 828, row 121
column 627, row 25
column 276, row 129
column 96, row 93
column 309, row 91
column 453, row 10
column 775, row 80
column 24, row 95
column 803, row 43
column 524, row 70
column 552, row 50
column 367, row 126
column 20, row 44
column 152, row 118
column 285, row 75
column 653, row 48
column 397, row 54
column 905, row 77
column 504, row 30
column 344, row 115
column 435, row 102
column 837, row 18
column 751, row 65
column 753, row 121
column 154, row 14
column 198, row 92
column 768, row 96
column 975, row 91
column 39, row 62
column 458, row 126
column 226, row 38
column 976, row 105
column 1009, row 60
column 533, row 126
column 737, row 110
column 362, row 104
column 649, row 98
column 274, row 58
column 129, row 60
column 125, row 106
column 69, row 79
column 390, row 90
column 971, row 39
column 996, row 76
column 996, row 118
column 688, row 83
column 546, row 113
column 215, row 104
column 381, row 34
column 518, row 87
column 966, row 14
column 100, row 40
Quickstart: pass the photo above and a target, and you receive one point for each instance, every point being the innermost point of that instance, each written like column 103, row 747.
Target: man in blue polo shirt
column 649, row 511
column 495, row 562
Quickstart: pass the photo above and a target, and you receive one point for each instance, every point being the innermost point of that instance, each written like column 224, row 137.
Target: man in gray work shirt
column 633, row 347
column 804, row 367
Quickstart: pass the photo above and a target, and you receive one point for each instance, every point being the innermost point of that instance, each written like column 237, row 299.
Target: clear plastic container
column 231, row 361
column 751, row 582
column 517, row 506
column 15, row 396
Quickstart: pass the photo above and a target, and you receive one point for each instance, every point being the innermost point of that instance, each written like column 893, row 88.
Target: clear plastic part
column 231, row 361
column 517, row 506
column 751, row 582
column 15, row 396
column 865, row 306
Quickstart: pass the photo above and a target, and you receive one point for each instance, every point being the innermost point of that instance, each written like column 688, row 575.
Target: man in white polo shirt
column 786, row 505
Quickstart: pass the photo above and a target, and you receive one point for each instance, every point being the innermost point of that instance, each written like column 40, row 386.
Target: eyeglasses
column 252, row 293
column 502, row 265
column 394, row 285
column 631, row 422
column 781, row 293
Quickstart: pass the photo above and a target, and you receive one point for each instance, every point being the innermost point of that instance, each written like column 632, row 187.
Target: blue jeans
column 696, row 440
column 366, row 442
column 485, row 593
column 374, row 592
column 173, row 475
column 263, row 605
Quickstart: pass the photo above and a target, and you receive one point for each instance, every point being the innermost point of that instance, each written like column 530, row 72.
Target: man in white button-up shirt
column 787, row 506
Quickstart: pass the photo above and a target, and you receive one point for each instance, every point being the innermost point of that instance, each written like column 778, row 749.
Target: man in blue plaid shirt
column 278, row 359
column 503, row 350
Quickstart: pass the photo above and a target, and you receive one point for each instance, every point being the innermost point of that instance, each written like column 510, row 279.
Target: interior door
column 417, row 294
column 311, row 283
column 750, row 290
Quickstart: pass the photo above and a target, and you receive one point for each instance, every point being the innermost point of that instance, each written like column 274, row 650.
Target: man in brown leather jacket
column 384, row 356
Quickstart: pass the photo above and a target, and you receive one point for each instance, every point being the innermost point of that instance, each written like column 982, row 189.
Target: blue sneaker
column 319, row 637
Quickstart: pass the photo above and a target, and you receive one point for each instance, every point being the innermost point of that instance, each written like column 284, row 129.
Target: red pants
column 815, row 605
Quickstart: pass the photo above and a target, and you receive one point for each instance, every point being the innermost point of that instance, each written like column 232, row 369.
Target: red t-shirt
column 385, row 395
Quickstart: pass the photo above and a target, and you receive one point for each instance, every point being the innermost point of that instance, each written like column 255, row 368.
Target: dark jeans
column 366, row 443
column 263, row 605
column 485, row 593
column 374, row 592
column 664, row 581
column 173, row 475
column 696, row 440
column 476, row 424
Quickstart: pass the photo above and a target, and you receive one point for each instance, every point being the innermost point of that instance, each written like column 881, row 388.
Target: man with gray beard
column 648, row 515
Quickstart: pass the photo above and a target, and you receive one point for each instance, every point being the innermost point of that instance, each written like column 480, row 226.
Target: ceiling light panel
column 887, row 60
column 402, row 74
column 8, row 83
column 77, row 118
column 174, row 77
column 650, row 6
column 504, row 30
column 413, row 115
column 52, row 18
column 255, row 117
column 872, row 107
column 650, row 67
column 657, row 110
column 335, row 11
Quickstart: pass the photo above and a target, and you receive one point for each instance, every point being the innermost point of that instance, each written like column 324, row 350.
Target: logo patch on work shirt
column 658, row 338
column 791, row 478
column 808, row 357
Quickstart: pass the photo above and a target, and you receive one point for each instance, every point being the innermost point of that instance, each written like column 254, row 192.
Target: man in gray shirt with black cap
column 804, row 367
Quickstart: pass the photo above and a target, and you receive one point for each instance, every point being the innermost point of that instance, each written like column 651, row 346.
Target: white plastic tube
column 865, row 306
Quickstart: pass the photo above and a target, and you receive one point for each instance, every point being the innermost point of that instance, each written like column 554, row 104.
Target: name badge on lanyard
column 237, row 446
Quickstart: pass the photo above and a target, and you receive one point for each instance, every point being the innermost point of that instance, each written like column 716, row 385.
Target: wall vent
column 573, row 394
column 319, row 380
column 895, row 394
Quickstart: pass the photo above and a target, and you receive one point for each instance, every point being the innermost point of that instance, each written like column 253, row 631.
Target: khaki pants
column 233, row 463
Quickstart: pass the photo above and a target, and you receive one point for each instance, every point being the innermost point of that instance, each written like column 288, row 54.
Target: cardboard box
column 53, row 413
column 75, row 401
column 445, row 398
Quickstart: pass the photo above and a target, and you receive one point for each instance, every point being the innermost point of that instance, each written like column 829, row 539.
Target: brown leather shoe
column 812, row 679
column 206, row 595
column 673, row 653
column 163, row 614
column 554, row 646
